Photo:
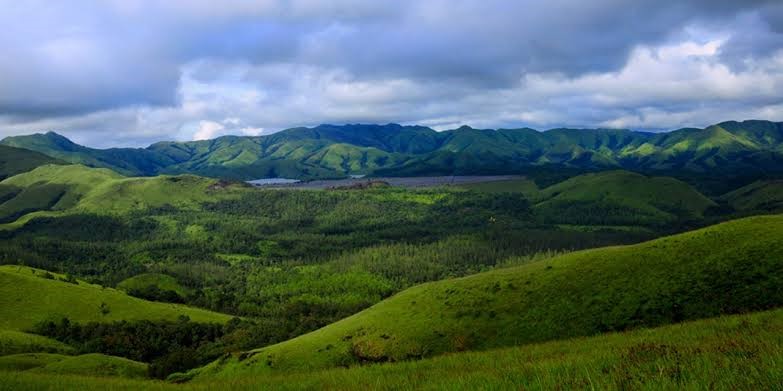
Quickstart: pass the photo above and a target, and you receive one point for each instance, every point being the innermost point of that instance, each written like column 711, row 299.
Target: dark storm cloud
column 271, row 64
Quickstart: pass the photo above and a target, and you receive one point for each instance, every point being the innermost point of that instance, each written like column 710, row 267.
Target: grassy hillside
column 758, row 196
column 730, row 267
column 17, row 160
column 99, row 365
column 25, row 361
column 127, row 161
column 740, row 352
column 14, row 342
column 621, row 197
column 27, row 297
column 78, row 188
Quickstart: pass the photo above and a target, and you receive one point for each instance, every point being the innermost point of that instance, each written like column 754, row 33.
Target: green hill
column 99, row 365
column 99, row 190
column 17, row 160
column 621, row 198
column 758, row 196
column 738, row 352
column 14, row 342
column 28, row 297
column 727, row 268
column 127, row 161
column 325, row 151
column 25, row 361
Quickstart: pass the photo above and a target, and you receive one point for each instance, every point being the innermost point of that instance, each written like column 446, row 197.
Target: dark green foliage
column 154, row 293
column 31, row 199
column 17, row 160
column 169, row 346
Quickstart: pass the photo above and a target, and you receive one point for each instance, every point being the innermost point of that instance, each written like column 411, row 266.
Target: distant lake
column 393, row 181
column 273, row 181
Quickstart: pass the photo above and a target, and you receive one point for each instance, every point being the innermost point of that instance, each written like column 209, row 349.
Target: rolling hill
column 58, row 188
column 99, row 365
column 727, row 268
column 27, row 297
column 15, row 342
column 16, row 160
column 325, row 151
column 761, row 195
column 621, row 198
column 737, row 352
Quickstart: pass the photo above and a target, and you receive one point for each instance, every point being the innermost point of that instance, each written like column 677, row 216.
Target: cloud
column 207, row 130
column 136, row 71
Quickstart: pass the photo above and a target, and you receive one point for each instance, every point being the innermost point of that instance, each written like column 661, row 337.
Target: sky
column 132, row 72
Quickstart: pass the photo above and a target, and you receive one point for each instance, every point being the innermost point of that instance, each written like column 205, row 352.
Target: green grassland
column 727, row 268
column 761, row 195
column 608, row 198
column 76, row 188
column 98, row 365
column 26, row 298
column 621, row 198
column 14, row 342
column 741, row 352
column 25, row 361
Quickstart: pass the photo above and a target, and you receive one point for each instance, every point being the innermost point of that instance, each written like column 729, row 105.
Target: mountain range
column 751, row 147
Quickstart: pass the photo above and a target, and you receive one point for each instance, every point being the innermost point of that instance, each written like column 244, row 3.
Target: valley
column 391, row 195
column 557, row 275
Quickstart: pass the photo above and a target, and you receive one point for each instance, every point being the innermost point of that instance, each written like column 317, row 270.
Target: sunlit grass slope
column 95, row 365
column 98, row 190
column 615, row 194
column 14, row 342
column 728, row 268
column 741, row 352
column 27, row 298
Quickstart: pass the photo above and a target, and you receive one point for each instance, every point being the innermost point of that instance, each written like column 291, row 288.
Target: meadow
column 740, row 352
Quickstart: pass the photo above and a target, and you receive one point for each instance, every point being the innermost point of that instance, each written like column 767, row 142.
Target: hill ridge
column 737, row 148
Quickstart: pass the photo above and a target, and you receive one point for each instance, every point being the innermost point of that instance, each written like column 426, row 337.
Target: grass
column 741, row 352
column 17, row 160
column 25, row 361
column 14, row 342
column 728, row 268
column 95, row 364
column 761, row 195
column 620, row 195
column 76, row 188
column 30, row 199
column 162, row 281
column 27, row 298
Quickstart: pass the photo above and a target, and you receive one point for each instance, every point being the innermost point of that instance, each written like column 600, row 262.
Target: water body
column 280, row 183
column 273, row 181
